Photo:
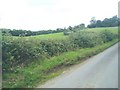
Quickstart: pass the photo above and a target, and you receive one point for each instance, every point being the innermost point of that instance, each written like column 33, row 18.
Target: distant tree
column 92, row 23
column 59, row 30
column 114, row 21
column 82, row 26
column 5, row 32
column 93, row 20
column 98, row 23
column 76, row 27
column 106, row 22
column 70, row 28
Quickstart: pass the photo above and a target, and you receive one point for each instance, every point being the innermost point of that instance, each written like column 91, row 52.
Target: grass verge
column 38, row 72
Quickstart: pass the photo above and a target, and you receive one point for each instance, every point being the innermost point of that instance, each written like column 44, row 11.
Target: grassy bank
column 40, row 71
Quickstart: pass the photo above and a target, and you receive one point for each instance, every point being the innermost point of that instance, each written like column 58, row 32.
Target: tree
column 92, row 23
column 107, row 22
column 82, row 26
column 70, row 28
column 93, row 20
column 98, row 23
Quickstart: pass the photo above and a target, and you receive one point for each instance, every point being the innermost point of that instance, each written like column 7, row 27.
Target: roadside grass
column 40, row 71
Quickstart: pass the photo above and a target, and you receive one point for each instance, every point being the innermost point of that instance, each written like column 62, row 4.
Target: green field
column 47, row 54
column 50, row 36
column 54, row 36
column 112, row 29
column 60, row 36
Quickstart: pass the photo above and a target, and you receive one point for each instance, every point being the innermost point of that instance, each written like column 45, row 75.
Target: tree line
column 107, row 22
column 21, row 32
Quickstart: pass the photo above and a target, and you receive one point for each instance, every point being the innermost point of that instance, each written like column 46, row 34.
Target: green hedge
column 22, row 51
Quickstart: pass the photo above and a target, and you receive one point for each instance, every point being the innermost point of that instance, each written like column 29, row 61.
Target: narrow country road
column 100, row 71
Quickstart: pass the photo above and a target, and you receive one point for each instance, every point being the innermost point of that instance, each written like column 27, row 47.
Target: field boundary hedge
column 21, row 52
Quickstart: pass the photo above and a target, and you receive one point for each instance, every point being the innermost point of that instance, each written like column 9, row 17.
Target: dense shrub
column 108, row 36
column 86, row 39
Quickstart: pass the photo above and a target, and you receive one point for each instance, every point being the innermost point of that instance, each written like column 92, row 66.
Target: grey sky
column 52, row 14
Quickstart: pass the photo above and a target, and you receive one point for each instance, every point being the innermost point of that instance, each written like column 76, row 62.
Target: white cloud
column 50, row 14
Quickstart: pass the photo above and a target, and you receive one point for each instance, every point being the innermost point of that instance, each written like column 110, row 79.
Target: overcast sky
column 52, row 14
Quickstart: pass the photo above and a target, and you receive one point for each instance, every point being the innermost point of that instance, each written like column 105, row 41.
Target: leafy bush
column 86, row 39
column 108, row 36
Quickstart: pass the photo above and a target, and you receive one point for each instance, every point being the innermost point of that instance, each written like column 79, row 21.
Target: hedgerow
column 22, row 51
